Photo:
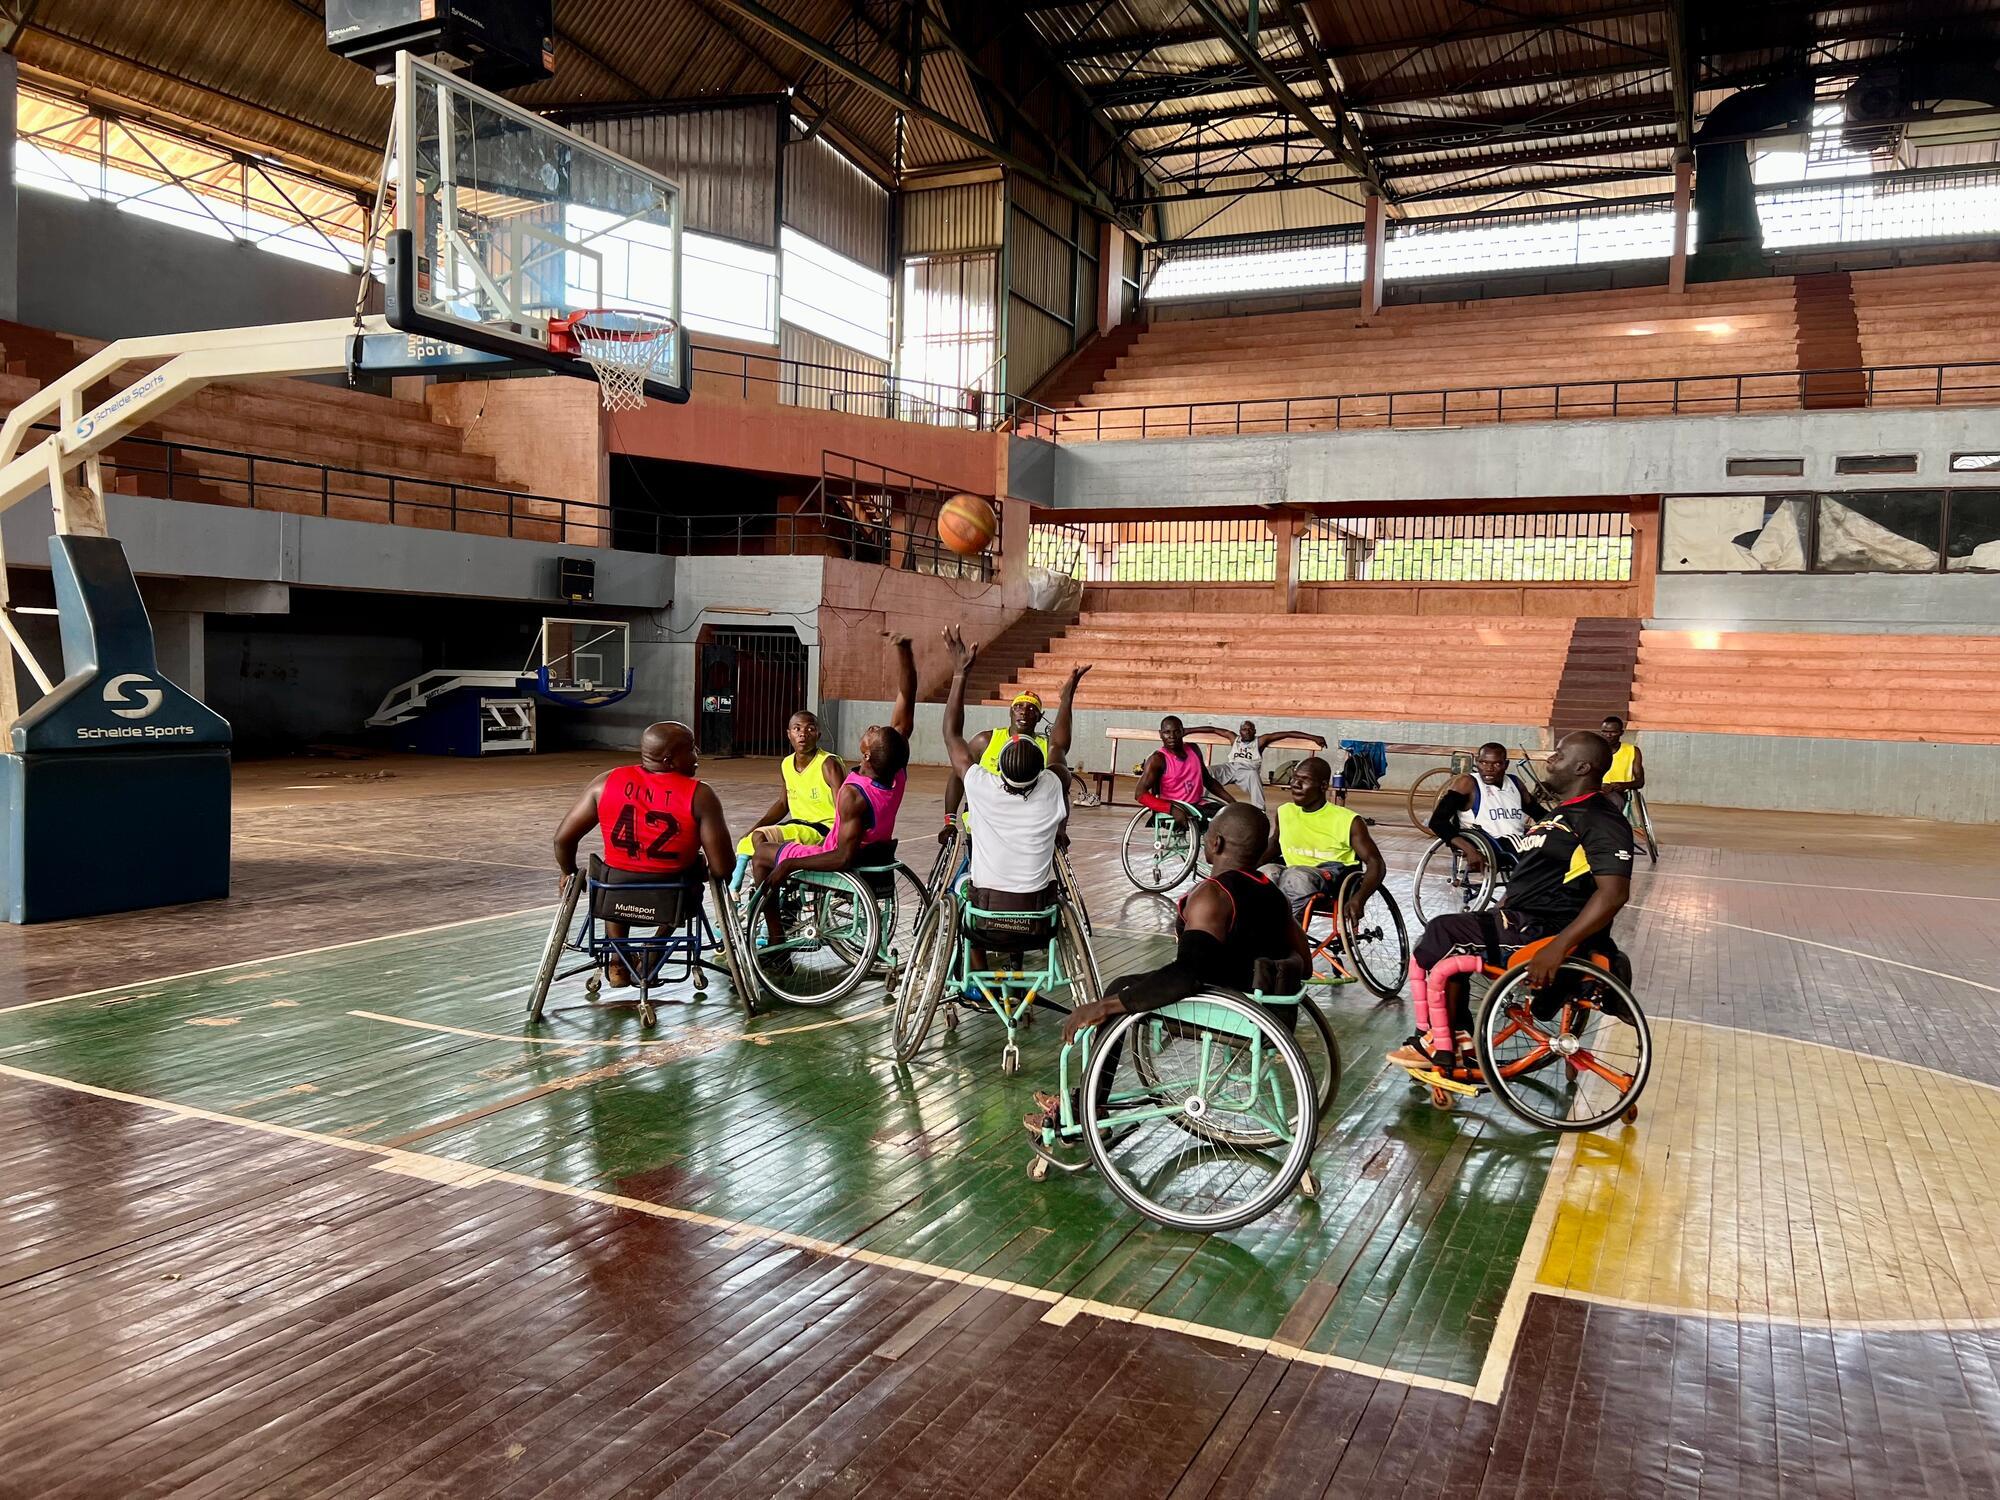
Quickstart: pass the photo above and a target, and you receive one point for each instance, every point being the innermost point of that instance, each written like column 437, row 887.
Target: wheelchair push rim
column 1376, row 948
column 832, row 928
column 1575, row 1057
column 1220, row 1063
column 1444, row 882
column 1156, row 858
column 558, row 941
column 924, row 980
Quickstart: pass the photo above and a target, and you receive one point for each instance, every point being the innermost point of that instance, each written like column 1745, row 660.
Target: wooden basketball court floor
column 296, row 1204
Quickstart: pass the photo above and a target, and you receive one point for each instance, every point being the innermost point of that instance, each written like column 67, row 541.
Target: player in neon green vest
column 1024, row 717
column 804, row 809
column 1315, row 843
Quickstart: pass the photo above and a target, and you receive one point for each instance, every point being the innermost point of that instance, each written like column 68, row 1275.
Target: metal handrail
column 919, row 401
column 1433, row 406
column 299, row 486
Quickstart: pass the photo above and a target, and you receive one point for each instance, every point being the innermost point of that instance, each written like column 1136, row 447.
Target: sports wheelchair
column 681, row 936
column 1446, row 881
column 1574, row 1055
column 1641, row 819
column 835, row 927
column 1202, row 1115
column 1158, row 854
column 942, row 972
column 1373, row 951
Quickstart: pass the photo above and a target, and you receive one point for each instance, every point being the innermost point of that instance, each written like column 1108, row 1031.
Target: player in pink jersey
column 1176, row 773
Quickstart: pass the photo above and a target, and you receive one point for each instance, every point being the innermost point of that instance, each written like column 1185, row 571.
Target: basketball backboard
column 587, row 662
column 505, row 223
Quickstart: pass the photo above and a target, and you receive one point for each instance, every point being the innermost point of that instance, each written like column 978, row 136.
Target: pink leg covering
column 1436, row 984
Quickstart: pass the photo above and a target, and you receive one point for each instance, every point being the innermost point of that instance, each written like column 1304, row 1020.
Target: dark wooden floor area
column 227, row 1272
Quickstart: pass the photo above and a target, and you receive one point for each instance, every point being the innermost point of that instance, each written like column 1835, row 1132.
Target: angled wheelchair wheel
column 829, row 928
column 1079, row 965
column 1156, row 854
column 1446, row 881
column 924, row 980
column 1307, row 1025
column 1641, row 819
column 900, row 919
column 730, row 936
column 1376, row 948
column 1218, row 1070
column 558, row 940
column 1424, row 792
column 1071, row 891
column 1574, row 1056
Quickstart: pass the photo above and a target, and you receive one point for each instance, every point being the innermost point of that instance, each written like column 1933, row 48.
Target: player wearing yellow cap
column 1024, row 721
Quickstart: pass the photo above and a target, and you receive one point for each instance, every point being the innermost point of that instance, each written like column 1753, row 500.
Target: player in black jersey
column 1574, row 874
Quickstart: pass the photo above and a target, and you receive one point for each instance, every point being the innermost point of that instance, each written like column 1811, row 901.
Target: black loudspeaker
column 576, row 579
column 496, row 44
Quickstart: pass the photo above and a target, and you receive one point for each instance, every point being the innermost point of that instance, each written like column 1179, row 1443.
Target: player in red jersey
column 658, row 822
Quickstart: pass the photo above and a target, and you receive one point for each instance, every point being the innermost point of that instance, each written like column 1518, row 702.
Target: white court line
column 274, row 958
column 1813, row 885
column 457, row 1175
column 1786, row 937
column 1784, row 1320
column 551, row 1041
column 452, row 859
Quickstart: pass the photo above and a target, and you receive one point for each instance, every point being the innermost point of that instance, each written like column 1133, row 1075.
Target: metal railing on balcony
column 1966, row 382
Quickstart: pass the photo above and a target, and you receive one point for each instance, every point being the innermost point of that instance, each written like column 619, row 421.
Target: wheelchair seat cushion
column 999, row 929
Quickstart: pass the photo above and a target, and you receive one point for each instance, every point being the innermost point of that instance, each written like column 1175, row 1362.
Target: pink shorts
column 797, row 851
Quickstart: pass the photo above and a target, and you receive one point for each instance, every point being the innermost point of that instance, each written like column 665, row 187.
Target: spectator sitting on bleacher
column 1245, row 768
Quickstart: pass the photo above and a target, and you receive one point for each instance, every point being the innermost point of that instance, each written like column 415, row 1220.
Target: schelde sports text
column 138, row 732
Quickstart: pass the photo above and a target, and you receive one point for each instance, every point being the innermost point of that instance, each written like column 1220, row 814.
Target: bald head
column 668, row 746
column 1577, row 768
column 1237, row 837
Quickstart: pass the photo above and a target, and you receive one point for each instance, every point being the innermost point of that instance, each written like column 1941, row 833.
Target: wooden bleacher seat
column 1222, row 667
column 1940, row 688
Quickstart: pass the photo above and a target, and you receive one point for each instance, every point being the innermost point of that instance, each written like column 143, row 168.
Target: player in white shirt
column 1244, row 768
column 1018, row 811
column 1489, row 798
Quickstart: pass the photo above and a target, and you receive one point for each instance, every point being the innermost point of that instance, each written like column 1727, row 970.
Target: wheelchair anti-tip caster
column 1010, row 1060
column 1038, row 1169
column 647, row 1014
column 593, row 986
column 1308, row 1185
column 1631, row 1115
column 700, row 979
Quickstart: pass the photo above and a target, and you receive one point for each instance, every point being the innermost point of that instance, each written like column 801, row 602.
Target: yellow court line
column 1786, row 937
column 551, row 1041
column 454, row 1174
column 276, row 958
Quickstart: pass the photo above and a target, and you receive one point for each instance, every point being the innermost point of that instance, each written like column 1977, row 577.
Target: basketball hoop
column 620, row 346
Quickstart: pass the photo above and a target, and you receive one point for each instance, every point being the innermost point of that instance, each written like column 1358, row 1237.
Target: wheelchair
column 672, row 954
column 1373, row 952
column 836, row 928
column 1641, row 819
column 1158, row 854
column 942, row 973
column 1447, row 882
column 1572, row 1056
column 1202, row 1115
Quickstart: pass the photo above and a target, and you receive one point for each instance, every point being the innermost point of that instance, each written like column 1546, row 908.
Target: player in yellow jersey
column 1315, row 843
column 803, row 811
column 1628, row 767
column 1024, row 720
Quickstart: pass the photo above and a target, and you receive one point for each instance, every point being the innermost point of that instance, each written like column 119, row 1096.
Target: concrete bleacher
column 1660, row 349
column 1942, row 689
column 298, row 446
column 1222, row 667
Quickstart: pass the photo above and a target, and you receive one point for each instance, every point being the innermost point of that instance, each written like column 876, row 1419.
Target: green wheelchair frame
column 1174, row 852
column 852, row 912
column 1249, row 1069
column 941, row 971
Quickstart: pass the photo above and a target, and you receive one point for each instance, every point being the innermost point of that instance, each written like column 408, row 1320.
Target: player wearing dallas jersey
column 658, row 822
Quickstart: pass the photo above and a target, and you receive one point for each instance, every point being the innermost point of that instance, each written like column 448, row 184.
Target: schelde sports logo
column 129, row 696
column 149, row 698
column 88, row 423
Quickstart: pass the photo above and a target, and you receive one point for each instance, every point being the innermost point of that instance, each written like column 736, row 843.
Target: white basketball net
column 621, row 349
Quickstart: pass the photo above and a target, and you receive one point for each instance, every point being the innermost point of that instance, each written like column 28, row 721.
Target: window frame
column 1948, row 493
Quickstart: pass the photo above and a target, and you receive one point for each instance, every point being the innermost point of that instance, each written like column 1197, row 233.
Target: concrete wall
column 1884, row 603
column 285, row 688
column 1514, row 461
column 1894, row 777
column 92, row 269
column 1090, row 750
column 175, row 539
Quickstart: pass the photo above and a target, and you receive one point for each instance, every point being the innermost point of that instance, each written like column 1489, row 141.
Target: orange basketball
column 966, row 524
